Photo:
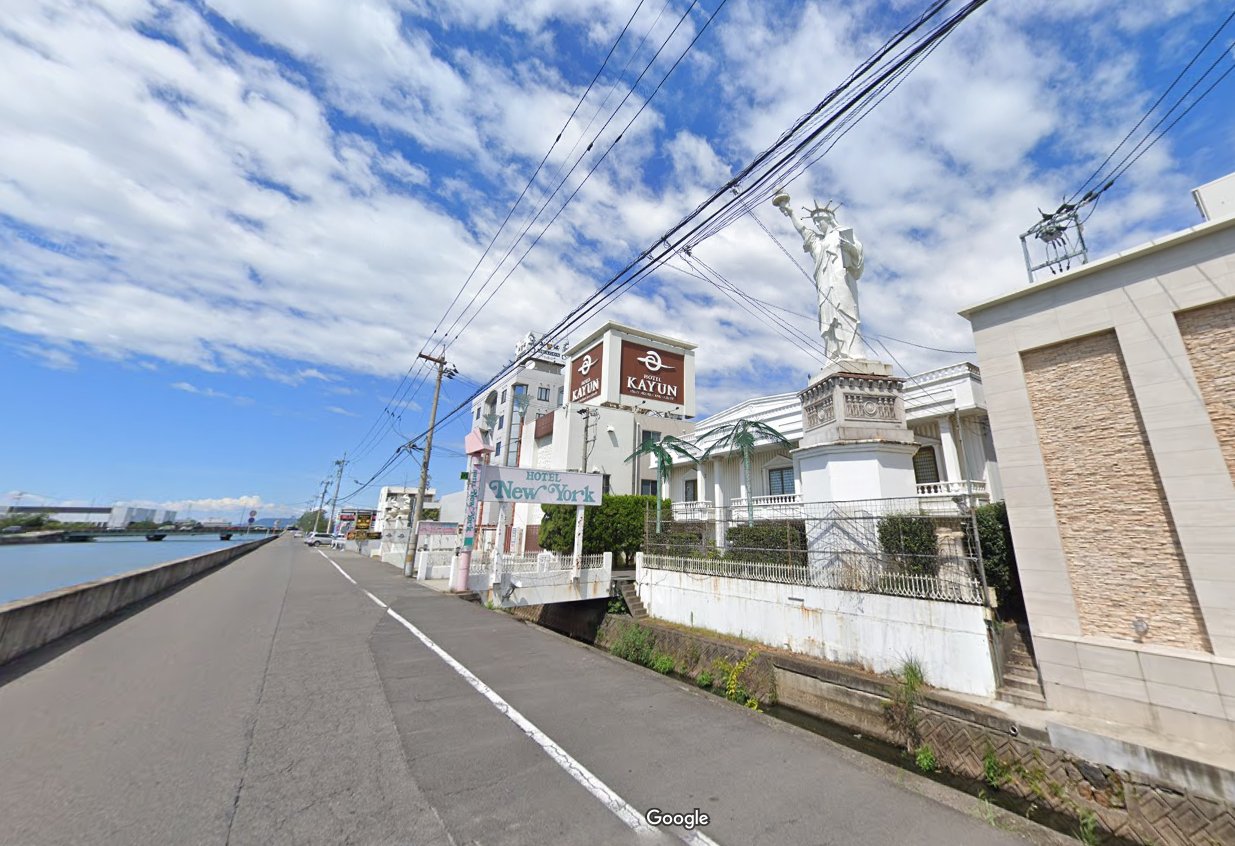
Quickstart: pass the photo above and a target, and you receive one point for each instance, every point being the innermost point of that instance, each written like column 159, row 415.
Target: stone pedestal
column 855, row 444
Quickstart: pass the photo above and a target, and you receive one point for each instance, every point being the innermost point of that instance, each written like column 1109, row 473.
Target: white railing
column 779, row 499
column 540, row 562
column 854, row 572
column 695, row 510
column 974, row 486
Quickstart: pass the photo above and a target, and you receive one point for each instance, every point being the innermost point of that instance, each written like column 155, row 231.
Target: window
column 501, row 421
column 604, row 484
column 520, row 390
column 647, row 487
column 503, row 398
column 780, row 481
column 925, row 469
column 497, row 449
column 691, row 494
column 649, row 435
column 477, row 412
column 542, row 394
column 561, row 394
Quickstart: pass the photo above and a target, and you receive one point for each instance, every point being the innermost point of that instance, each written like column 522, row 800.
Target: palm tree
column 664, row 451
column 744, row 436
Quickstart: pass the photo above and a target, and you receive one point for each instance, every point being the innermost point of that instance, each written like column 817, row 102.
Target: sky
column 228, row 226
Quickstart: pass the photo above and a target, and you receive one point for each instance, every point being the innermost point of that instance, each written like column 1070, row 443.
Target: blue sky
column 227, row 226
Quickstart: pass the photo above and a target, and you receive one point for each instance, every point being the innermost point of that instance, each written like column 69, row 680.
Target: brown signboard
column 586, row 375
column 652, row 373
column 544, row 425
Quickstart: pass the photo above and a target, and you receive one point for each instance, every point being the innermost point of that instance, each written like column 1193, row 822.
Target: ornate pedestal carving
column 855, row 444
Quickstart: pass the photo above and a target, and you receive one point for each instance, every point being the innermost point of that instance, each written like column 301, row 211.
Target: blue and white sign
column 545, row 487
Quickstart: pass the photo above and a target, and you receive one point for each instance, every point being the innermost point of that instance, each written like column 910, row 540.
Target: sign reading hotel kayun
column 546, row 487
column 650, row 373
column 586, row 373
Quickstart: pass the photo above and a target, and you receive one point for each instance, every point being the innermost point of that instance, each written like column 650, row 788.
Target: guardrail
column 27, row 624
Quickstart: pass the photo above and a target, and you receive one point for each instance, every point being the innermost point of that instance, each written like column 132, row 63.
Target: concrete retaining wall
column 27, row 624
column 869, row 630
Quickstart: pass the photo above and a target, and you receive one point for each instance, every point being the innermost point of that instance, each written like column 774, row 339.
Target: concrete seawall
column 27, row 624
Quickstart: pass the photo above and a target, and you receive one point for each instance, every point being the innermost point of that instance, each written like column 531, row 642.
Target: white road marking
column 619, row 806
column 337, row 567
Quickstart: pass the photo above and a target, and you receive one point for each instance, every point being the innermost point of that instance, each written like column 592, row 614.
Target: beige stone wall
column 1209, row 335
column 1123, row 556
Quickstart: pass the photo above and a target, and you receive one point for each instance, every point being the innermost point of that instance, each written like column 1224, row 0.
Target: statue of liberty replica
column 838, row 267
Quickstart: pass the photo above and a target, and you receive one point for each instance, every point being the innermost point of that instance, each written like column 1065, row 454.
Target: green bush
column 925, row 758
column 773, row 541
column 616, row 525
column 998, row 556
column 635, row 644
column 705, row 679
column 909, row 543
column 662, row 663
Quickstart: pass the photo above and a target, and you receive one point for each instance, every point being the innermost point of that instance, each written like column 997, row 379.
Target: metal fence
column 537, row 562
column 888, row 546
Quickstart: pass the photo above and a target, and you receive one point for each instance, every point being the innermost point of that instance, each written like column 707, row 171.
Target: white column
column 951, row 461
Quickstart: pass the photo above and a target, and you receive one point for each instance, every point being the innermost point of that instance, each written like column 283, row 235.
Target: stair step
column 1023, row 698
column 1022, row 685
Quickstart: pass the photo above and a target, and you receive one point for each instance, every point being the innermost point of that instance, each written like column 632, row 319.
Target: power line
column 756, row 176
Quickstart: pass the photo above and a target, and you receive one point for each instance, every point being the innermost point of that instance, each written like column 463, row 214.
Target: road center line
column 619, row 806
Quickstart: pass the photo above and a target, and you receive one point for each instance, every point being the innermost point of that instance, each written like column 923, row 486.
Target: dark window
column 561, row 394
column 649, row 435
column 477, row 412
column 780, row 481
column 501, row 421
column 604, row 484
column 925, row 470
column 647, row 487
column 691, row 494
column 542, row 394
column 502, row 400
column 497, row 450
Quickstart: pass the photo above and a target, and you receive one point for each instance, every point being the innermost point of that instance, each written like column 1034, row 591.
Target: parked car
column 317, row 538
column 12, row 530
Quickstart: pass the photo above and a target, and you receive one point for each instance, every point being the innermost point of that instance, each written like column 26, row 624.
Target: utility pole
column 317, row 518
column 338, row 479
column 414, row 528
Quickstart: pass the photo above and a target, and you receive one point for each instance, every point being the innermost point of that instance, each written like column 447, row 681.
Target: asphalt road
column 274, row 701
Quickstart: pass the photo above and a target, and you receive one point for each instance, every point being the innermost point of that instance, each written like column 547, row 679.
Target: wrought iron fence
column 538, row 562
column 889, row 546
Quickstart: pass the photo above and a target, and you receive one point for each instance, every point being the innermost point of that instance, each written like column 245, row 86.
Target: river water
column 29, row 569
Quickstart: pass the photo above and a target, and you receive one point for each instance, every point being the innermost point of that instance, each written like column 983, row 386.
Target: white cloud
column 334, row 409
column 192, row 203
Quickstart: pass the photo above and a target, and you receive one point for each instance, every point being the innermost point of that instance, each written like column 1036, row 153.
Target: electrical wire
column 754, row 179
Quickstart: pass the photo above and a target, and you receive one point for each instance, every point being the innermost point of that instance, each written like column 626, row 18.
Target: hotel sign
column 547, row 487
column 586, row 374
column 651, row 373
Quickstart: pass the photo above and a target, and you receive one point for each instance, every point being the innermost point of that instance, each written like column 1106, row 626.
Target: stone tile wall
column 1123, row 556
column 1209, row 336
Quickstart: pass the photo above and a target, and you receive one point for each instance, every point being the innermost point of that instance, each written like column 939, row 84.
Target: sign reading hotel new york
column 585, row 374
column 547, row 487
column 650, row 373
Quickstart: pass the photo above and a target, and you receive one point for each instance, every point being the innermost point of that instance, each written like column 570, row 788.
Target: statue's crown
column 828, row 209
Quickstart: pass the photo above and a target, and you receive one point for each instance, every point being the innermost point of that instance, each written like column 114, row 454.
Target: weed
column 635, row 644
column 616, row 606
column 731, row 678
column 662, row 663
column 705, row 679
column 925, row 758
column 994, row 770
column 1088, row 832
column 901, row 713
column 986, row 810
